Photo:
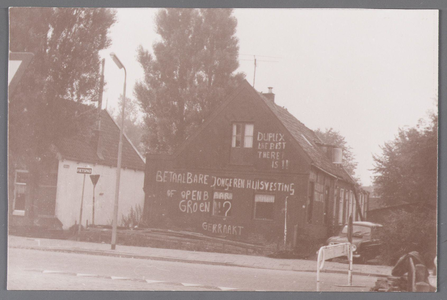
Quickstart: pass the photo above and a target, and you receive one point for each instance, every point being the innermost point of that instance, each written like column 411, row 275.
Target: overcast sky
column 363, row 72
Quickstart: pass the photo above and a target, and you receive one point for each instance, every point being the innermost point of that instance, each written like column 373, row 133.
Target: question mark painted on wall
column 228, row 207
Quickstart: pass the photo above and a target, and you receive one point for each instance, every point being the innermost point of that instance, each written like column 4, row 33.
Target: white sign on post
column 84, row 170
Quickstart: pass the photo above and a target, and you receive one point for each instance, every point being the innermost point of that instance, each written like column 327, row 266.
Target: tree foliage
column 134, row 127
column 406, row 171
column 333, row 137
column 64, row 71
column 65, row 67
column 406, row 230
column 188, row 74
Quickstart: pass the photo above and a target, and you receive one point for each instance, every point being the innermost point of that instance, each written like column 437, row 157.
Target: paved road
column 47, row 270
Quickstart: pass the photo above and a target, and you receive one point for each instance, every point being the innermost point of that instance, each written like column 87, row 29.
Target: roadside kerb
column 194, row 261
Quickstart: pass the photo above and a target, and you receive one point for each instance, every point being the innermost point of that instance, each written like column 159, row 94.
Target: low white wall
column 69, row 193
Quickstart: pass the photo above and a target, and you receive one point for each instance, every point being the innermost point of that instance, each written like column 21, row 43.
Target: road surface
column 48, row 270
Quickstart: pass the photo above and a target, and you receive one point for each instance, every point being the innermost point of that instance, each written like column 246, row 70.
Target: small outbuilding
column 56, row 200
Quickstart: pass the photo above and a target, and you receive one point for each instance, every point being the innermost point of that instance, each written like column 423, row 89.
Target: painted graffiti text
column 170, row 193
column 189, row 206
column 195, row 195
column 188, row 177
column 271, row 137
column 225, row 183
column 222, row 228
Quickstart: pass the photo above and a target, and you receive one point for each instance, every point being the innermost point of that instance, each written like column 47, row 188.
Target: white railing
column 333, row 251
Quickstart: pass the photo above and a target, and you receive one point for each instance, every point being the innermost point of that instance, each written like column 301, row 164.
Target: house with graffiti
column 252, row 173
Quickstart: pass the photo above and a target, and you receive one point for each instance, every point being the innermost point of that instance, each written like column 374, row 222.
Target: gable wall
column 180, row 188
column 170, row 202
column 273, row 151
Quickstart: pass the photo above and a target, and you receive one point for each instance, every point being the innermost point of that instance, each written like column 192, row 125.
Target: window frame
column 242, row 135
column 255, row 205
column 347, row 206
column 18, row 212
column 341, row 208
column 326, row 205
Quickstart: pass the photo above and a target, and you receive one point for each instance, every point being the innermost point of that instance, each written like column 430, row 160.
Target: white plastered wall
column 69, row 193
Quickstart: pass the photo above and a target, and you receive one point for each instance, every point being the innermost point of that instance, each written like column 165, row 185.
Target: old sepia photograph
column 215, row 149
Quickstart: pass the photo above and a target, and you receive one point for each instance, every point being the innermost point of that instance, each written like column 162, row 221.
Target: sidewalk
column 248, row 261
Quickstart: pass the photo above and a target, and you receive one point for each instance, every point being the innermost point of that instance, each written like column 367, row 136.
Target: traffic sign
column 94, row 179
column 84, row 170
column 350, row 225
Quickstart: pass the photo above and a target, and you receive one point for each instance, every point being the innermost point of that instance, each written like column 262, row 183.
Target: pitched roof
column 84, row 149
column 307, row 139
column 380, row 204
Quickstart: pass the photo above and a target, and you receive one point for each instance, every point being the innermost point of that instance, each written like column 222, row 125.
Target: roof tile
column 82, row 148
column 307, row 139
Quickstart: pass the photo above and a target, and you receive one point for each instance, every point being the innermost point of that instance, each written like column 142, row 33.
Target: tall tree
column 333, row 137
column 188, row 74
column 65, row 69
column 406, row 171
column 134, row 126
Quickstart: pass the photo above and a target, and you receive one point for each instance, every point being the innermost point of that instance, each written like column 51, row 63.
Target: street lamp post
column 120, row 150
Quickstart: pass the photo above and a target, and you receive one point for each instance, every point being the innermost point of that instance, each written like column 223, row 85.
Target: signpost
column 94, row 179
column 285, row 223
column 84, row 171
column 350, row 225
column 350, row 229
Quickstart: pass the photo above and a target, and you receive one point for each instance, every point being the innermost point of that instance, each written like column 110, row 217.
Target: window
column 335, row 202
column 326, row 206
column 20, row 181
column 360, row 208
column 222, row 202
column 310, row 201
column 307, row 140
column 365, row 206
column 264, row 205
column 357, row 230
column 346, row 206
column 340, row 207
column 351, row 205
column 242, row 136
column 237, row 136
column 242, row 144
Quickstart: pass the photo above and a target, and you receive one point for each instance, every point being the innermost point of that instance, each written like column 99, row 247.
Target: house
column 56, row 201
column 252, row 173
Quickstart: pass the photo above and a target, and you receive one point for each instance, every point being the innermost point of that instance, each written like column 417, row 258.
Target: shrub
column 405, row 231
column 134, row 217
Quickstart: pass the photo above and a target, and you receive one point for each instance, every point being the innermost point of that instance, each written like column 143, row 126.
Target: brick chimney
column 270, row 94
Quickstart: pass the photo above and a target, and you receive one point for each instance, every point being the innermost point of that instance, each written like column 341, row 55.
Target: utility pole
column 254, row 75
column 120, row 154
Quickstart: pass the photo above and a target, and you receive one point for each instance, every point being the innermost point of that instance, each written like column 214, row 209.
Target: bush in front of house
column 134, row 218
column 406, row 231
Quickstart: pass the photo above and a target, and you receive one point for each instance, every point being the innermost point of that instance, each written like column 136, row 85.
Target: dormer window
column 242, row 135
column 242, row 144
